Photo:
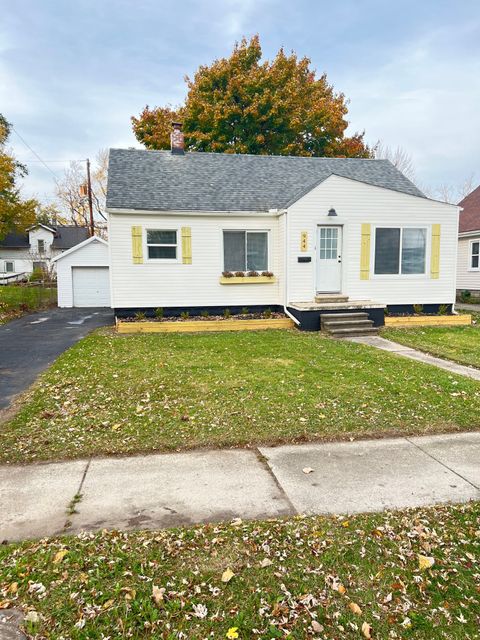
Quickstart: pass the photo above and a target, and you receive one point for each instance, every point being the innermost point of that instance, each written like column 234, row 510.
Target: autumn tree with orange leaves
column 243, row 105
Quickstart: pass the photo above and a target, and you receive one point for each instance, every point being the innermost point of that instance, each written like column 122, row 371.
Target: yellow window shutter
column 186, row 245
column 137, row 248
column 435, row 252
column 365, row 252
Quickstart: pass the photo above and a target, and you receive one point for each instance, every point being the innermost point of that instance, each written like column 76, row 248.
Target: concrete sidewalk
column 420, row 356
column 166, row 490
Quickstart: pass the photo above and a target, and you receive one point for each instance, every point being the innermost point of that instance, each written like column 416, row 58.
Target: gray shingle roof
column 15, row 241
column 67, row 237
column 161, row 181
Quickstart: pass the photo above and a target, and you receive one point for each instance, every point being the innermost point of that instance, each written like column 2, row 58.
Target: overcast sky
column 72, row 72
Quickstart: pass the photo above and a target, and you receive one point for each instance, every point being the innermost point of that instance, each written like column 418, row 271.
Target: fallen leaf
column 266, row 562
column 317, row 627
column 157, row 594
column 366, row 630
column 341, row 589
column 227, row 575
column 354, row 608
column 13, row 588
column 307, row 469
column 32, row 616
column 59, row 556
column 425, row 562
column 108, row 604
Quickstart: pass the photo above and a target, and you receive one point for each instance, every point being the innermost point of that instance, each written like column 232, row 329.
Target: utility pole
column 90, row 202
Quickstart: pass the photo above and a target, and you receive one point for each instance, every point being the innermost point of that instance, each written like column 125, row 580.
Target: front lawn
column 409, row 574
column 461, row 344
column 15, row 300
column 113, row 394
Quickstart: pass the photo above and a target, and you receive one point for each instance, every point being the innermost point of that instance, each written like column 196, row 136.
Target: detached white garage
column 83, row 277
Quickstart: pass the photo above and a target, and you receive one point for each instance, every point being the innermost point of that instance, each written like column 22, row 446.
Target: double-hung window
column 41, row 245
column 245, row 250
column 9, row 266
column 162, row 244
column 400, row 250
column 475, row 254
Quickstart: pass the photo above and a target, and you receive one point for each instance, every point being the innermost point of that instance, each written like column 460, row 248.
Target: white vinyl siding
column 357, row 203
column 173, row 284
column 467, row 278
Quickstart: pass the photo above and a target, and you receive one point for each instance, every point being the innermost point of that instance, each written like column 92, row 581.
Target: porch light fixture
column 332, row 212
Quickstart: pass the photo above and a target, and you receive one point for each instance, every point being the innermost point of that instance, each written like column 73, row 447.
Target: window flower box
column 249, row 277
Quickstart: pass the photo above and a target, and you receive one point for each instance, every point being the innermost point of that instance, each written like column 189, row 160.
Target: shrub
column 418, row 309
column 443, row 310
column 244, row 311
column 140, row 315
column 37, row 275
column 227, row 313
column 466, row 296
column 185, row 315
column 267, row 313
column 204, row 313
column 159, row 312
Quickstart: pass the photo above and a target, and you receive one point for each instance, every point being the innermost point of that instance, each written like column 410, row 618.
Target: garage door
column 91, row 287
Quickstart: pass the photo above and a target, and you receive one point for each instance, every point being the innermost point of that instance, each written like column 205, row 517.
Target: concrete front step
column 330, row 297
column 357, row 315
column 343, row 324
column 347, row 324
column 352, row 332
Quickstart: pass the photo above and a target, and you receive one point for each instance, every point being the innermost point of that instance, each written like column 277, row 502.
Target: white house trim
column 78, row 246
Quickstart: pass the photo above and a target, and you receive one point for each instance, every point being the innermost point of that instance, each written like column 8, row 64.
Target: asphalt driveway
column 31, row 343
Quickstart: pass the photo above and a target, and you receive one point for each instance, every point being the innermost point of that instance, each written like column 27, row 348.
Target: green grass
column 114, row 394
column 17, row 300
column 317, row 577
column 460, row 344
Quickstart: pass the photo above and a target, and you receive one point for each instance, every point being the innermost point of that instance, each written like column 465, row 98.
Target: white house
column 22, row 253
column 325, row 234
column 468, row 267
column 83, row 278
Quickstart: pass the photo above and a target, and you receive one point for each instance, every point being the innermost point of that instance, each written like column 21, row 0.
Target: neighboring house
column 468, row 266
column 337, row 234
column 21, row 254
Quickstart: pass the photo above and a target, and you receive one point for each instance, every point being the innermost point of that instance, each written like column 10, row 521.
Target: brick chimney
column 176, row 139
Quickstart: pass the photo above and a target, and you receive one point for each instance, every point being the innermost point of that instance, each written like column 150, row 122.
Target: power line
column 50, row 161
column 34, row 153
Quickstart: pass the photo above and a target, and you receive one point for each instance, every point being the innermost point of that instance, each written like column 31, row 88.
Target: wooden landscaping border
column 194, row 326
column 428, row 321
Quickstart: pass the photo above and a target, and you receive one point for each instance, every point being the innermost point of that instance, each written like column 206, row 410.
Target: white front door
column 329, row 259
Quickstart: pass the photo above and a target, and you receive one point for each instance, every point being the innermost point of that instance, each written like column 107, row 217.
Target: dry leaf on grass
column 227, row 575
column 59, row 556
column 367, row 630
column 266, row 562
column 157, row 594
column 425, row 562
column 354, row 608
